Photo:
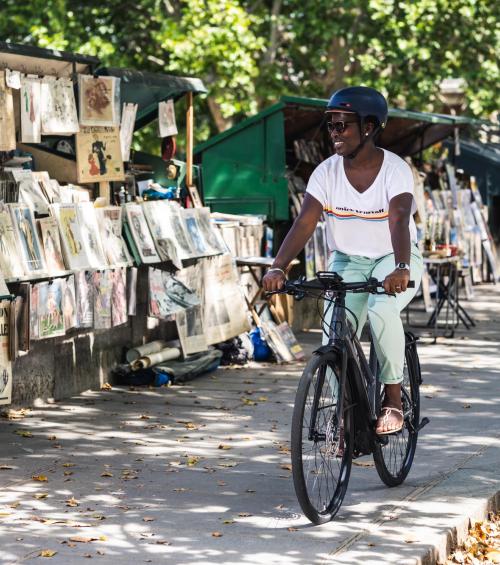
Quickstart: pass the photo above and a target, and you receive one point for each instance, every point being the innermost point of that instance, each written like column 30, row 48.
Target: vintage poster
column 98, row 154
column 225, row 312
column 84, row 299
column 160, row 305
column 190, row 329
column 166, row 119
column 198, row 243
column 51, row 244
column 31, row 117
column 91, row 235
column 50, row 309
column 174, row 227
column 5, row 362
column 132, row 291
column 25, row 228
column 208, row 229
column 141, row 234
column 30, row 192
column 109, row 220
column 178, row 291
column 58, row 107
column 23, row 321
column 10, row 254
column 102, row 288
column 129, row 112
column 155, row 213
column 119, row 313
column 69, row 303
column 98, row 97
column 7, row 122
column 34, row 319
column 75, row 256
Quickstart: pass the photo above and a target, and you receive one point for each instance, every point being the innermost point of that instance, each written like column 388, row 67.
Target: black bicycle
column 338, row 400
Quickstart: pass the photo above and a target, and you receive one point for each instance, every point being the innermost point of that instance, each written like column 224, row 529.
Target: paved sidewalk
column 200, row 474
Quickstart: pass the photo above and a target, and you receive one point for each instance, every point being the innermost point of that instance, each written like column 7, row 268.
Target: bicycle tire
column 320, row 501
column 393, row 453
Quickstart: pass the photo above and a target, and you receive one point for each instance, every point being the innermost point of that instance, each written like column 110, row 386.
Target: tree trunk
column 270, row 53
column 221, row 122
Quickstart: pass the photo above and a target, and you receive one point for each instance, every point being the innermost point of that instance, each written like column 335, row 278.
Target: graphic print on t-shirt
column 345, row 213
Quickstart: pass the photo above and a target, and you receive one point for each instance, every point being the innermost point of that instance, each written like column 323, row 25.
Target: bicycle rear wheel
column 393, row 453
column 321, row 445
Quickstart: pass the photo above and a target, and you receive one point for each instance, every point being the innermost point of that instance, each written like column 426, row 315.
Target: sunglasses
column 339, row 126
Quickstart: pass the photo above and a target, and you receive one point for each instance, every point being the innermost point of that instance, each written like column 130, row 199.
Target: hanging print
column 51, row 243
column 58, row 107
column 98, row 154
column 10, row 254
column 97, row 100
column 71, row 236
column 127, row 129
column 5, row 363
column 50, row 308
column 31, row 251
column 31, row 119
column 7, row 122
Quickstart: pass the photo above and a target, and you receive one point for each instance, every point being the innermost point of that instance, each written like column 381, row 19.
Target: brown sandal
column 384, row 419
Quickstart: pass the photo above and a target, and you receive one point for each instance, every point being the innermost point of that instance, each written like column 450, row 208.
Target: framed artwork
column 50, row 309
column 140, row 233
column 10, row 254
column 58, row 107
column 99, row 154
column 98, row 96
column 75, row 254
column 51, row 244
column 91, row 237
column 31, row 250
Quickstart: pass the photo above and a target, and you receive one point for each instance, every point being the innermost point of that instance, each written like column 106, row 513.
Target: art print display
column 102, row 288
column 190, row 329
column 50, row 309
column 75, row 256
column 48, row 187
column 178, row 291
column 98, row 154
column 30, row 192
column 132, row 291
column 10, row 254
column 208, row 230
column 23, row 320
column 160, row 304
column 4, row 291
column 173, row 223
column 31, row 117
column 59, row 115
column 34, row 319
column 198, row 243
column 98, row 96
column 69, row 303
column 127, row 125
column 51, row 244
column 7, row 121
column 119, row 312
column 84, row 299
column 141, row 234
column 31, row 250
column 166, row 119
column 109, row 220
column 91, row 237
column 5, row 363
column 164, row 237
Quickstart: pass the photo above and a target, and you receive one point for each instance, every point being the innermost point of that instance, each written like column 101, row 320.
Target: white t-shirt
column 358, row 223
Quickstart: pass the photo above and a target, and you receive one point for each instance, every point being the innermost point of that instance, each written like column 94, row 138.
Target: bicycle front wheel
column 393, row 453
column 321, row 441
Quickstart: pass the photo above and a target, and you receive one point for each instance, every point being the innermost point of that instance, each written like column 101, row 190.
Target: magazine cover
column 102, row 287
column 5, row 363
column 109, row 220
column 164, row 237
column 84, row 299
column 198, row 243
column 75, row 256
column 69, row 303
column 90, row 235
column 10, row 255
column 174, row 224
column 119, row 313
column 59, row 109
column 132, row 291
column 160, row 305
column 98, row 154
column 31, row 250
column 141, row 234
column 97, row 96
column 178, row 291
column 51, row 244
column 50, row 309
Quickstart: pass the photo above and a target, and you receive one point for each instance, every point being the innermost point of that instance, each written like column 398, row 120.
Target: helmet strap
column 364, row 138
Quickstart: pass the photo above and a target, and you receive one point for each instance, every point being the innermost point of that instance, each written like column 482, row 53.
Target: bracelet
column 277, row 269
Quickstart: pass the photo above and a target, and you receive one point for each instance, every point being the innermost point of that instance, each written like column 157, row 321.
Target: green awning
column 148, row 89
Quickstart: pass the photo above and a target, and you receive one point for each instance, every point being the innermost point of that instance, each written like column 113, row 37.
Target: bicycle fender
column 328, row 349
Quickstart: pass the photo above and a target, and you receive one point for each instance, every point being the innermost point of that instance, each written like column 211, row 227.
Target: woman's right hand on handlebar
column 273, row 280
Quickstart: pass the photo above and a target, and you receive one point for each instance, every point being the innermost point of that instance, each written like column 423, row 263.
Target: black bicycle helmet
column 364, row 101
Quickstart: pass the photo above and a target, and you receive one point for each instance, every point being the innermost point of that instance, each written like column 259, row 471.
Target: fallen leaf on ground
column 144, row 417
column 12, row 414
column 363, row 463
column 40, row 478
column 263, row 398
column 222, row 446
column 191, row 461
column 228, row 522
column 221, row 483
column 286, row 467
column 23, row 433
column 216, row 535
column 244, row 514
column 465, row 405
column 5, row 467
column 68, row 464
column 162, row 542
column 106, row 474
column 82, row 539
column 72, row 502
column 148, row 519
column 292, row 529
column 229, row 464
column 41, row 495
column 106, row 386
column 248, row 402
column 47, row 553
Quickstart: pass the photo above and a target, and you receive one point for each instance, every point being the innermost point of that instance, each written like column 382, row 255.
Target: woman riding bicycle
column 366, row 196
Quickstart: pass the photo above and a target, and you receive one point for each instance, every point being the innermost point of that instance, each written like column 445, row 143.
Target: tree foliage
column 250, row 52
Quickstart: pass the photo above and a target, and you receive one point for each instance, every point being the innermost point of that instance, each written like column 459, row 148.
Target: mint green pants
column 382, row 311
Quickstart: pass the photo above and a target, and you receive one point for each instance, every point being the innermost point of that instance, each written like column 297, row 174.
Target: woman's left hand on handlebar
column 397, row 281
column 273, row 280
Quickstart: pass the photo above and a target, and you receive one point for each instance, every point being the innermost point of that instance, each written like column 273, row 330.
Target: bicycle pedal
column 423, row 422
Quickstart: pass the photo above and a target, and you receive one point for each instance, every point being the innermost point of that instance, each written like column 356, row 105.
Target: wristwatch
column 403, row 266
